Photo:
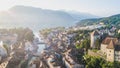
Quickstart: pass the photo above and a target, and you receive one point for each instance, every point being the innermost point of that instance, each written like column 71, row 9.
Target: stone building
column 111, row 48
column 5, row 62
column 94, row 36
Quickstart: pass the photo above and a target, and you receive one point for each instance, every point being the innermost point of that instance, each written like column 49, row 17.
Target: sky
column 96, row 7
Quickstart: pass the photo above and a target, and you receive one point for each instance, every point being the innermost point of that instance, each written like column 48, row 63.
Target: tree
column 118, row 35
column 98, row 62
column 97, row 43
column 111, row 65
column 108, row 65
column 80, row 57
column 77, row 46
column 94, row 62
column 29, row 36
column 84, row 44
column 6, row 47
column 87, row 44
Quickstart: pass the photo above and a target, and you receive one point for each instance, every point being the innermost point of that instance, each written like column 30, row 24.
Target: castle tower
column 94, row 36
column 110, row 51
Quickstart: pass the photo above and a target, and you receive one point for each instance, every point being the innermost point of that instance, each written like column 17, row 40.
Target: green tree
column 84, row 44
column 94, row 62
column 87, row 44
column 6, row 47
column 118, row 35
column 97, row 62
column 97, row 43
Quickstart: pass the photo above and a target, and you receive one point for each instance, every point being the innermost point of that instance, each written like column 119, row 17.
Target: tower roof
column 107, row 40
column 94, row 33
column 111, row 45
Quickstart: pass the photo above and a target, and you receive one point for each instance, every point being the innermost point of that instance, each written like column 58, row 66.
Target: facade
column 94, row 36
column 70, row 61
column 34, row 62
column 111, row 48
column 3, row 51
column 5, row 63
column 119, row 31
column 8, row 39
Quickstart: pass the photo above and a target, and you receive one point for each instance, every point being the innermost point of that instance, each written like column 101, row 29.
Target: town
column 77, row 46
column 59, row 33
column 73, row 47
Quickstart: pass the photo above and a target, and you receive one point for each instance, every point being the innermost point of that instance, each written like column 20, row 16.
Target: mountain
column 80, row 15
column 115, row 19
column 36, row 18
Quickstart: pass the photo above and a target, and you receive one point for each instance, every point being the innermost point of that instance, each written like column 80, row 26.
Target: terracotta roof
column 94, row 33
column 111, row 45
column 108, row 39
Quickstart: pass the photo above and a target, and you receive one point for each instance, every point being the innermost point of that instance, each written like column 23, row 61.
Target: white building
column 3, row 51
column 119, row 31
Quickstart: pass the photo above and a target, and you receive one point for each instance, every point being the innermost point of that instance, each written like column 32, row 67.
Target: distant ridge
column 36, row 18
column 114, row 19
column 80, row 15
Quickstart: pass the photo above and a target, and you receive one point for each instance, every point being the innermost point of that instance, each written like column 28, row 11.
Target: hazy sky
column 96, row 7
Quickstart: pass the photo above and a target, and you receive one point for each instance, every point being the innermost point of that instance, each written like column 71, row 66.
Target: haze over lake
column 38, row 18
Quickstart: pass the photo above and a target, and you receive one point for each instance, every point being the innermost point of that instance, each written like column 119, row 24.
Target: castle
column 111, row 48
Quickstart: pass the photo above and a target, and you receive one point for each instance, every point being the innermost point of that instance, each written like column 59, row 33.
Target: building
column 119, row 31
column 3, row 51
column 34, row 62
column 8, row 39
column 29, row 46
column 70, row 60
column 111, row 48
column 70, row 63
column 94, row 36
column 111, row 33
column 5, row 63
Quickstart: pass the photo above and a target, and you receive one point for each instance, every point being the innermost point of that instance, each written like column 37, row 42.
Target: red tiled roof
column 108, row 39
column 111, row 45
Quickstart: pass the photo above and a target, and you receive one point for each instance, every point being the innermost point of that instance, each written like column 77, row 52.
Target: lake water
column 35, row 31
